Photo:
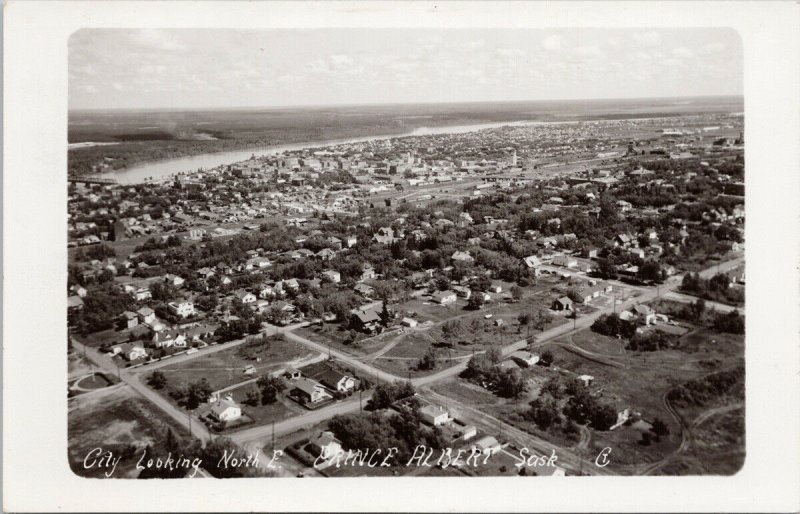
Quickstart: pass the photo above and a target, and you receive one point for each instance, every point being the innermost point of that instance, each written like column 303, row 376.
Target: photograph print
column 405, row 252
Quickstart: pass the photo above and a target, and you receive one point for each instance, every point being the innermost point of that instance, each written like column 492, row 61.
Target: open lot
column 116, row 420
column 226, row 367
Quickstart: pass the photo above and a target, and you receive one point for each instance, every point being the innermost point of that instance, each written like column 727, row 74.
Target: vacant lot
column 226, row 367
column 717, row 447
column 339, row 338
column 116, row 420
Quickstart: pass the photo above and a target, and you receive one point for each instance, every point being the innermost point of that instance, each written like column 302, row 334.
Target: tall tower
column 514, row 158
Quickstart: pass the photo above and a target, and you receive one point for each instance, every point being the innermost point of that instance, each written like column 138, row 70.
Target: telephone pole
column 273, row 437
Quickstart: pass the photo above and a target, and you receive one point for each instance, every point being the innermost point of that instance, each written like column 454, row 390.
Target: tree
column 386, row 316
column 732, row 322
column 475, row 302
column 541, row 319
column 510, row 384
column 494, row 355
column 428, row 360
column 198, row 393
column 517, row 293
column 270, row 387
column 650, row 271
column 659, row 427
column 252, row 398
column 451, row 330
column 157, row 380
column 543, row 412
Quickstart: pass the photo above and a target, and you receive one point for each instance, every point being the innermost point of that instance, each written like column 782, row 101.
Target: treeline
column 702, row 391
column 613, row 326
column 566, row 405
column 483, row 369
column 717, row 288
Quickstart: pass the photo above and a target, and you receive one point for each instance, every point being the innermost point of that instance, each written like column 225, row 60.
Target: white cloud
column 160, row 40
column 340, row 60
column 511, row 53
column 552, row 42
column 713, row 48
column 651, row 38
column 683, row 53
column 589, row 51
column 474, row 45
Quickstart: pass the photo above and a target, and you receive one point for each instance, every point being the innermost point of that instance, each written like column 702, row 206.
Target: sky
column 219, row 68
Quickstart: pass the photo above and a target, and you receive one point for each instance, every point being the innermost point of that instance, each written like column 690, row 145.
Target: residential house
column 266, row 292
column 487, row 445
column 225, row 409
column 365, row 320
column 336, row 381
column 645, row 314
column 332, row 275
column 292, row 373
column 526, row 359
column 141, row 294
column 562, row 304
column 74, row 303
column 182, row 308
column 146, row 315
column 130, row 319
column 329, row 448
column 409, row 322
column 435, row 415
column 364, row 290
column 174, row 280
column 325, row 254
column 444, row 297
column 367, row 272
column 459, row 256
column 565, row 261
column 132, row 352
column 463, row 291
column 246, row 297
column 309, row 391
column 168, row 339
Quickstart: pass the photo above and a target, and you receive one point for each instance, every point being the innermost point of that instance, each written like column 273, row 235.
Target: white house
column 488, row 445
column 182, row 308
column 332, row 275
column 146, row 315
column 444, row 297
column 527, row 359
column 565, row 261
column 142, row 294
column 246, row 297
column 409, row 322
column 175, row 280
column 435, row 415
column 225, row 409
column 329, row 448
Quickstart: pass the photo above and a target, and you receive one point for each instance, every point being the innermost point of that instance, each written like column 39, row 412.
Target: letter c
column 602, row 458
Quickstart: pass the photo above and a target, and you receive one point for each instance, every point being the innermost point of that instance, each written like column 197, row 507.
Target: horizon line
column 391, row 104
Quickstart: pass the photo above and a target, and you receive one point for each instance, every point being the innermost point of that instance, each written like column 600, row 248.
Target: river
column 164, row 169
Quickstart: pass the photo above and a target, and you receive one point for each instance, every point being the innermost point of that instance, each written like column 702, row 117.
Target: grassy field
column 226, row 367
column 717, row 448
column 118, row 421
